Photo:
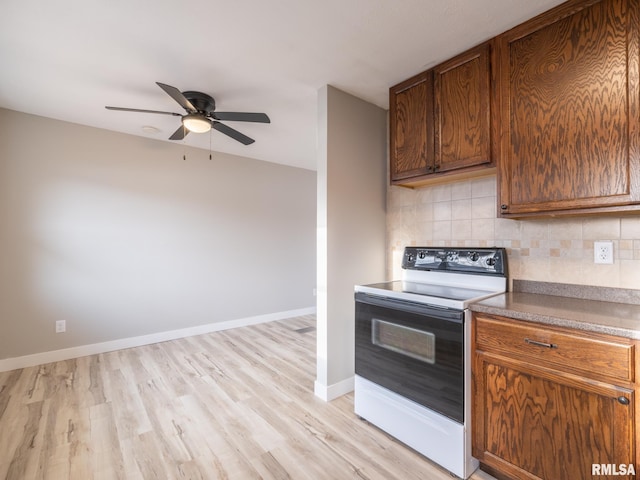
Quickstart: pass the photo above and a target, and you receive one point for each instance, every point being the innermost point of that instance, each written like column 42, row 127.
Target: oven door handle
column 411, row 307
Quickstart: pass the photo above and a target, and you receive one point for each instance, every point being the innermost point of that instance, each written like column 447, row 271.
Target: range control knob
column 410, row 258
column 473, row 256
column 421, row 255
column 491, row 261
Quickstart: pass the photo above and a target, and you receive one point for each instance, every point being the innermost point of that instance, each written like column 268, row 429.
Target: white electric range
column 413, row 369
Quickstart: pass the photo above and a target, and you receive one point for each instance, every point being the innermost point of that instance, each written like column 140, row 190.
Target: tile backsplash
column 463, row 214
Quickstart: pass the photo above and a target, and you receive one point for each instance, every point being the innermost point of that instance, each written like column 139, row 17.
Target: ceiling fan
column 201, row 115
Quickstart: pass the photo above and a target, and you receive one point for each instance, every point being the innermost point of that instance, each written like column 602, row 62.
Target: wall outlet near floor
column 603, row 252
column 61, row 326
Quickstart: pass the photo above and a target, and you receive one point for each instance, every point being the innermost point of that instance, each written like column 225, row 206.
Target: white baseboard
column 103, row 347
column 331, row 392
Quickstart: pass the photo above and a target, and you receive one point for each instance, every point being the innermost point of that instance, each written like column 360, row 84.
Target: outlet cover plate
column 603, row 252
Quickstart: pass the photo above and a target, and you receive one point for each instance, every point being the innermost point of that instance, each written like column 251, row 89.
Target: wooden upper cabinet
column 411, row 137
column 462, row 91
column 441, row 120
column 569, row 91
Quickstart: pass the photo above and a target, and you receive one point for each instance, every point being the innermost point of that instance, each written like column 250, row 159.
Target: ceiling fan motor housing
column 203, row 102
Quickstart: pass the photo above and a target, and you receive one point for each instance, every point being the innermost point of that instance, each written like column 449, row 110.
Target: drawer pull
column 540, row 344
column 623, row 400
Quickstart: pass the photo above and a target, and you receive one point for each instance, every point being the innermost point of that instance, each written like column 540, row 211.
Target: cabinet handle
column 540, row 344
column 623, row 400
column 504, row 206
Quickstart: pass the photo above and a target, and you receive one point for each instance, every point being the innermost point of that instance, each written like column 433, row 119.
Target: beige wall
column 557, row 250
column 120, row 237
column 352, row 159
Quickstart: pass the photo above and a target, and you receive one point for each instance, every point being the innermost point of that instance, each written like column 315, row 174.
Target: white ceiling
column 67, row 59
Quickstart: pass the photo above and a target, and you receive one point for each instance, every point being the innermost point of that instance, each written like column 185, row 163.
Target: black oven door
column 414, row 350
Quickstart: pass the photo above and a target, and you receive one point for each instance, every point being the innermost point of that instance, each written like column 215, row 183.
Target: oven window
column 407, row 341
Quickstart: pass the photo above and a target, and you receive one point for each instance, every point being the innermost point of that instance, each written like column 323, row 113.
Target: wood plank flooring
column 236, row 404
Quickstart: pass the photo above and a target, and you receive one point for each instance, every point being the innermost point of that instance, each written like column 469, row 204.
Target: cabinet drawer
column 592, row 355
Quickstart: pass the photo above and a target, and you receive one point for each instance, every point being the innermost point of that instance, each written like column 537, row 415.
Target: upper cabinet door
column 569, row 91
column 443, row 121
column 463, row 113
column 411, row 136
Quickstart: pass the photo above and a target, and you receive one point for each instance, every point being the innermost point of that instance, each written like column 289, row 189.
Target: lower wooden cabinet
column 540, row 413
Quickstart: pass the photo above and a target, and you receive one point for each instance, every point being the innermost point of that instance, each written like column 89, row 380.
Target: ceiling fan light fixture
column 196, row 123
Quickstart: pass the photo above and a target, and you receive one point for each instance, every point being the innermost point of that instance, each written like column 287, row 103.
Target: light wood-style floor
column 236, row 404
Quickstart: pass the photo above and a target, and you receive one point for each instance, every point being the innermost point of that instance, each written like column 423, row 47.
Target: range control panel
column 485, row 261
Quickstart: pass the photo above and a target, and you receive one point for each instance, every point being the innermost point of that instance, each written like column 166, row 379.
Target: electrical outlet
column 61, row 326
column 603, row 252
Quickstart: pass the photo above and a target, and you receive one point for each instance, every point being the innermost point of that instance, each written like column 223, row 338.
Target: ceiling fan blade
column 143, row 111
column 177, row 95
column 180, row 133
column 242, row 117
column 236, row 135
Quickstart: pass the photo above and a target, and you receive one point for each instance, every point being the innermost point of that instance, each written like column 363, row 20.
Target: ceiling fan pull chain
column 210, row 135
column 184, row 143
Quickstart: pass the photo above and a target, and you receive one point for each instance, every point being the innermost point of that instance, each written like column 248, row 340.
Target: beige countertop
column 582, row 308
